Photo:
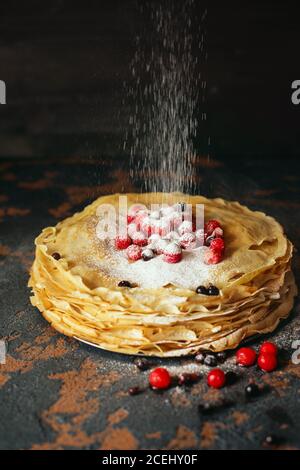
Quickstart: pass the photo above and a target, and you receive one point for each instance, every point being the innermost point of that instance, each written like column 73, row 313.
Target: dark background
column 64, row 64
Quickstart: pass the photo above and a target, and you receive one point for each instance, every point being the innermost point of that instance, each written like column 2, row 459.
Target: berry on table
column 216, row 378
column 210, row 360
column 134, row 252
column 200, row 357
column 188, row 240
column 246, row 357
column 269, row 348
column 160, row 378
column 121, row 243
column 213, row 290
column 267, row 362
column 130, row 218
column 251, row 390
column 125, row 284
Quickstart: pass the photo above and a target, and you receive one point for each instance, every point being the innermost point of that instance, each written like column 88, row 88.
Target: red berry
column 217, row 245
column 212, row 257
column 121, row 243
column 139, row 238
column 216, row 378
column 246, row 357
column 160, row 378
column 269, row 348
column 267, row 362
column 211, row 225
column 134, row 253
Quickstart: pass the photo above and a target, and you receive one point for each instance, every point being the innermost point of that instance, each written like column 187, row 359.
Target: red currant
column 246, row 357
column 216, row 378
column 160, row 378
column 121, row 243
column 211, row 225
column 269, row 348
column 267, row 362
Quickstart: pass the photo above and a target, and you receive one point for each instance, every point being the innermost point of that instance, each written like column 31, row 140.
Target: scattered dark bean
column 271, row 440
column 141, row 363
column 187, row 378
column 134, row 391
column 251, row 390
column 221, row 356
column 210, row 360
column 200, row 357
column 56, row 256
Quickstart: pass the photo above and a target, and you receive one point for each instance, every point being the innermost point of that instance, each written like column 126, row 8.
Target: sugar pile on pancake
column 81, row 283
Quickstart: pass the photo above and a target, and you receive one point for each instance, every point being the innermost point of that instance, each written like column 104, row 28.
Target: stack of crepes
column 79, row 294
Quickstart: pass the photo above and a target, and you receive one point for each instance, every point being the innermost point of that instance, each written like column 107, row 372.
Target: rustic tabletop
column 57, row 393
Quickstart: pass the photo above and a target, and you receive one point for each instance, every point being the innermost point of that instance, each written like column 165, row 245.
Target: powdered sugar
column 189, row 273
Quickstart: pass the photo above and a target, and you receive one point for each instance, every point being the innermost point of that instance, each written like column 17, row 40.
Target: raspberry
column 246, row 357
column 217, row 245
column 172, row 253
column 135, row 208
column 185, row 227
column 216, row 378
column 211, row 225
column 160, row 246
column 138, row 238
column 121, row 243
column 200, row 237
column 147, row 226
column 267, row 362
column 187, row 240
column 218, row 233
column 134, row 253
column 160, row 378
column 212, row 257
column 140, row 217
column 269, row 348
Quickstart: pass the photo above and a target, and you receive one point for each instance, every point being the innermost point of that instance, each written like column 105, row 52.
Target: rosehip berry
column 267, row 362
column 134, row 253
column 160, row 378
column 217, row 245
column 211, row 225
column 269, row 348
column 246, row 357
column 216, row 378
column 121, row 243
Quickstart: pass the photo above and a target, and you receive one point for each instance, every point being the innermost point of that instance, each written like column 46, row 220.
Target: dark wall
column 65, row 62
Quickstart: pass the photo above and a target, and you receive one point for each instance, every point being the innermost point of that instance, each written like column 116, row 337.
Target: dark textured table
column 57, row 393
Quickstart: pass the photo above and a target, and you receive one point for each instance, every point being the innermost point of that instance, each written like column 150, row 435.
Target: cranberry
column 246, row 357
column 121, row 243
column 269, row 348
column 211, row 225
column 160, row 378
column 216, row 378
column 267, row 362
